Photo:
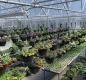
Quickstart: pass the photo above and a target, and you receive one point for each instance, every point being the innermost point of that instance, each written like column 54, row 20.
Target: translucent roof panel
column 38, row 8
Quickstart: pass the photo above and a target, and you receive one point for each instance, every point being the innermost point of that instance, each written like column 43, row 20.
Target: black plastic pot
column 39, row 35
column 14, row 39
column 12, row 51
column 60, row 41
column 59, row 55
column 45, row 33
column 2, row 42
column 42, row 52
column 23, row 37
column 2, row 71
column 36, row 41
column 75, row 37
column 65, row 42
column 28, row 36
column 79, row 36
column 54, row 46
column 2, row 33
column 25, row 59
column 19, row 64
column 44, row 39
column 34, row 69
column 49, row 59
column 20, row 45
column 83, row 34
column 32, row 43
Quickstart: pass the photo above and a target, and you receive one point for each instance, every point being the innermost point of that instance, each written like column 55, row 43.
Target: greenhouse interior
column 42, row 39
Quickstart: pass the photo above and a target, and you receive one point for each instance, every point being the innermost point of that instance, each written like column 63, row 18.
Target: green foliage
column 6, row 58
column 83, row 71
column 83, row 60
column 78, row 65
column 73, row 71
column 64, row 78
column 29, row 52
column 14, row 74
column 20, row 44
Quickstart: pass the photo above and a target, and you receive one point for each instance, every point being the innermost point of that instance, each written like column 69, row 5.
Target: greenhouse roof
column 42, row 8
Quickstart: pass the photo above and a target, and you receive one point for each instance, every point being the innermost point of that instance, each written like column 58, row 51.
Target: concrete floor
column 41, row 75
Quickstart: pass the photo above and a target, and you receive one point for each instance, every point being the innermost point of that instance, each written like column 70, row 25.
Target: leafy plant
column 65, row 78
column 41, row 45
column 38, row 62
column 48, row 45
column 6, row 58
column 78, row 66
column 29, row 52
column 81, row 40
column 72, row 44
column 83, row 72
column 71, row 73
column 66, row 39
column 14, row 74
column 20, row 44
column 67, row 47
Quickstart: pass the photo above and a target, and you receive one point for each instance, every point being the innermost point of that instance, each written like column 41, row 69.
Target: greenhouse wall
column 73, row 23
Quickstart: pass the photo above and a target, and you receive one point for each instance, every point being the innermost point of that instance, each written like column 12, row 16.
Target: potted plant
column 66, row 39
column 2, row 33
column 77, row 34
column 83, row 32
column 14, row 38
column 20, row 44
column 78, row 66
column 83, row 72
column 77, row 42
column 64, row 78
column 32, row 42
column 23, row 37
column 42, row 50
column 12, row 50
column 67, row 47
column 29, row 35
column 34, row 69
column 37, row 39
column 60, row 41
column 24, row 70
column 27, row 54
column 72, row 44
column 54, row 44
column 48, row 45
column 71, row 73
column 1, row 66
column 82, row 59
column 2, row 41
column 49, row 59
column 37, row 64
column 59, row 53
column 7, row 60
column 81, row 40
column 14, row 74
